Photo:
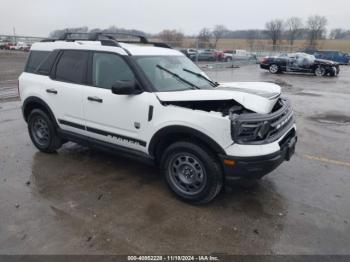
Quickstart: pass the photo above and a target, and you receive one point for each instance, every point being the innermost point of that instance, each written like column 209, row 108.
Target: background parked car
column 205, row 55
column 208, row 55
column 219, row 55
column 11, row 46
column 230, row 55
column 300, row 62
column 27, row 48
column 189, row 52
column 336, row 56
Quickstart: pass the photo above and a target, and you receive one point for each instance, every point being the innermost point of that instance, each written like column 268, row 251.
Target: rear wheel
column 274, row 69
column 191, row 172
column 43, row 132
column 228, row 59
column 320, row 71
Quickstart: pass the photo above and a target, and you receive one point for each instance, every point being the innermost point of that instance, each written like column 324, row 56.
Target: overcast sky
column 40, row 17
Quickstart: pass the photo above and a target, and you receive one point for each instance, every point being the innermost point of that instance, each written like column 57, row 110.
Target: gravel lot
column 83, row 201
column 11, row 66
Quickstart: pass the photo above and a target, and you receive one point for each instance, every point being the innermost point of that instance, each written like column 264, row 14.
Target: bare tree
column 339, row 33
column 294, row 26
column 317, row 27
column 274, row 31
column 173, row 37
column 204, row 37
column 218, row 32
column 336, row 33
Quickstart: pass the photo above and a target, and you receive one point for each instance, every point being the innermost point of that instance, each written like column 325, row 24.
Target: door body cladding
column 105, row 146
column 104, row 133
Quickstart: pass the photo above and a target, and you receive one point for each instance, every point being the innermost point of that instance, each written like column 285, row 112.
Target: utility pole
column 14, row 35
column 197, row 46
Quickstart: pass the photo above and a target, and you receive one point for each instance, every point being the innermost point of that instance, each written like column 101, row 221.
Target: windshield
column 173, row 73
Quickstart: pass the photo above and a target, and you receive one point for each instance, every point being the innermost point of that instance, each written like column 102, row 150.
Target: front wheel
column 191, row 172
column 274, row 69
column 320, row 71
column 42, row 131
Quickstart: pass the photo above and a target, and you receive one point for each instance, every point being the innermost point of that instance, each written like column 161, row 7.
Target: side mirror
column 125, row 88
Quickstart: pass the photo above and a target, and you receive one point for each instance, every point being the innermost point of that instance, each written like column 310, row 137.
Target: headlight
column 251, row 128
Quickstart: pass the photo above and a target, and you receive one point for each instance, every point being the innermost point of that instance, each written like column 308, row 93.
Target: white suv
column 151, row 102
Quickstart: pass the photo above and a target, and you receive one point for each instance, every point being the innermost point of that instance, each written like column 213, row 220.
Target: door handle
column 51, row 91
column 95, row 99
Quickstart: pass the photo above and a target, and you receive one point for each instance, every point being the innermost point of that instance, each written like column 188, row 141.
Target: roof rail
column 111, row 39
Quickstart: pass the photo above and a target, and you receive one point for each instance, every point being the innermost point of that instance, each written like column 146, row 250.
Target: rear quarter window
column 45, row 66
column 35, row 59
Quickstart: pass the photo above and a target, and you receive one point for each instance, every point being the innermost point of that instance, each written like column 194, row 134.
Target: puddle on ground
column 306, row 94
column 281, row 82
column 6, row 120
column 334, row 119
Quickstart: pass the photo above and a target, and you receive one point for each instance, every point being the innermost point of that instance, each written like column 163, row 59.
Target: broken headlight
column 253, row 128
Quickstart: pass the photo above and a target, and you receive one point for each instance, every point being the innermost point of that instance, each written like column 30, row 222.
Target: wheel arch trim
column 184, row 130
column 36, row 100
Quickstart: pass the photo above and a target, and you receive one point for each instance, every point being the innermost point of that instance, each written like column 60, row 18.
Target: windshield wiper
column 212, row 83
column 177, row 77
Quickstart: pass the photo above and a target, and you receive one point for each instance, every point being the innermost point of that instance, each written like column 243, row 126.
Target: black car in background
column 300, row 62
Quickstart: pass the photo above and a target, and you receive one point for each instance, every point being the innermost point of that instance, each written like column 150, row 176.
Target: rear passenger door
column 68, row 77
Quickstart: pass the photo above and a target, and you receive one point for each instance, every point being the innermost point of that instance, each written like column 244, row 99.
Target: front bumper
column 257, row 166
column 264, row 66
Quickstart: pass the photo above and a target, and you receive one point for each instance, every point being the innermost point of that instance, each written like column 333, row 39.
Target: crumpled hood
column 259, row 97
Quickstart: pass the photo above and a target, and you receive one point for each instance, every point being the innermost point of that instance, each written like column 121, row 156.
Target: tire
column 333, row 72
column 228, row 59
column 320, row 71
column 192, row 173
column 274, row 69
column 42, row 131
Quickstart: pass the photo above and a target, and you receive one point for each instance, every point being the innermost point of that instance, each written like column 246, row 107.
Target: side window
column 45, row 67
column 108, row 68
column 35, row 59
column 72, row 67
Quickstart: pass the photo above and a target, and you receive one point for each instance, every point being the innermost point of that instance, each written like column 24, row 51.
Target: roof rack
column 106, row 38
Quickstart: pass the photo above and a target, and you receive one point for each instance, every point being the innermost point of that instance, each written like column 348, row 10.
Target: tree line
column 313, row 29
column 276, row 30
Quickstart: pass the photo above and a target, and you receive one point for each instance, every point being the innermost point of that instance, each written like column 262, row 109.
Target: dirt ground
column 11, row 65
column 84, row 201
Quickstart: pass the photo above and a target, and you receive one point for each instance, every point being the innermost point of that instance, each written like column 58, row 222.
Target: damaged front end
column 223, row 107
column 253, row 128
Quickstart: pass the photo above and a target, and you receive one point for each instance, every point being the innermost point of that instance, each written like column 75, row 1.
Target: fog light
column 229, row 162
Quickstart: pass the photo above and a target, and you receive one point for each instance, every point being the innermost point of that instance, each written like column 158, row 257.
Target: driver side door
column 292, row 65
column 118, row 119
